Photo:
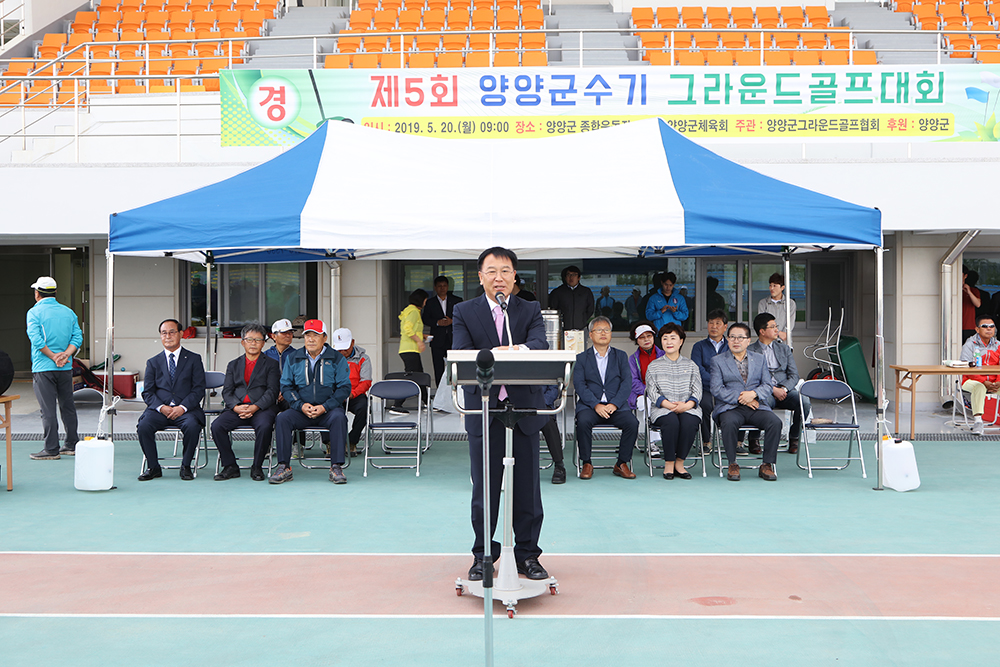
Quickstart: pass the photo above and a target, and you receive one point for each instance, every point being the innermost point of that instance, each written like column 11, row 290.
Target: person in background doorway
column 666, row 305
column 55, row 336
column 971, row 301
column 774, row 304
column 437, row 315
column 574, row 301
column 411, row 340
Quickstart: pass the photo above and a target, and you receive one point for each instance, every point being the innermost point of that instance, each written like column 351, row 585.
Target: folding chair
column 837, row 392
column 387, row 391
column 213, row 380
column 423, row 380
column 311, row 439
column 244, row 430
column 751, row 462
column 601, row 449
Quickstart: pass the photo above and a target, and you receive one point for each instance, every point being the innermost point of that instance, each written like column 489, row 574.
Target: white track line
column 539, row 617
column 371, row 554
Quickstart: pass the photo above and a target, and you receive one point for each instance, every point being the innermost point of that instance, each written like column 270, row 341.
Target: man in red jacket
column 361, row 380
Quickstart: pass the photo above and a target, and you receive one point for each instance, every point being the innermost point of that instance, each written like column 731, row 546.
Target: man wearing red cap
column 316, row 382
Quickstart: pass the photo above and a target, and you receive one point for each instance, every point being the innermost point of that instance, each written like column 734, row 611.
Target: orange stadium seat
column 779, row 58
column 364, row 61
column 692, row 17
column 690, row 58
column 705, row 39
column 360, row 19
column 395, row 5
column 505, row 4
column 156, row 21
column 461, row 4
column 479, row 41
column 719, row 58
column 767, row 18
column 659, row 58
column 717, row 17
column 834, row 57
column 450, row 59
column 203, row 5
column 337, row 61
column 813, row 40
column 204, row 20
column 962, row 46
column 786, row 40
column 228, row 19
column 390, row 60
column 532, row 19
column 420, row 61
column 132, row 20
column 84, row 22
column 508, row 41
column 482, row 19
column 506, row 59
column 127, row 5
column 375, row 43
column 107, row 21
column 742, row 17
column 52, row 45
column 181, row 20
column 384, row 19
column 747, row 58
column 642, row 17
column 863, row 57
column 733, row 41
column 368, row 6
column 253, row 20
column 477, row 59
column 534, row 59
column 427, row 42
column 533, row 40
column 207, row 49
column 106, row 44
column 409, row 19
column 433, row 19
column 458, row 19
column 668, row 18
column 840, row 39
column 508, row 19
column 793, row 17
column 806, row 58
column 819, row 17
column 434, row 5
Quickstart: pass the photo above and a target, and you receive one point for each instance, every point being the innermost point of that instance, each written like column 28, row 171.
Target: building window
column 260, row 293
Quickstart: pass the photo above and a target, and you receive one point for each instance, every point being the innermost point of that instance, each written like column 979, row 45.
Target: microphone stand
column 484, row 377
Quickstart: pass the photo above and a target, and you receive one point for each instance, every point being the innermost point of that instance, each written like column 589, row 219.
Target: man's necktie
column 171, row 366
column 498, row 316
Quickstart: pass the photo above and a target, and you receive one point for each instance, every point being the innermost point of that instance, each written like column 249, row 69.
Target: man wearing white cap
column 281, row 333
column 361, row 380
column 55, row 337
column 316, row 383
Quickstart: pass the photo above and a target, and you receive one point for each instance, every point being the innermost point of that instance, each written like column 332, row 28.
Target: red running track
column 590, row 585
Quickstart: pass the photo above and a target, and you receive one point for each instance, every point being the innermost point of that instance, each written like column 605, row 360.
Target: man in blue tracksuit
column 667, row 305
column 316, row 382
column 55, row 337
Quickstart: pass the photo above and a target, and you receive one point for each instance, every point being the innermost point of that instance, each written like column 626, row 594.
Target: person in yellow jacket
column 411, row 340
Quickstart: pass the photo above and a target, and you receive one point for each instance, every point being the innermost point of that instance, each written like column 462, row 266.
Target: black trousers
column 153, row 421
column 411, row 364
column 335, row 421
column 358, row 406
column 553, row 440
column 587, row 419
column 527, row 508
column 677, row 433
column 262, row 422
column 707, row 405
column 730, row 422
column 438, row 356
column 52, row 387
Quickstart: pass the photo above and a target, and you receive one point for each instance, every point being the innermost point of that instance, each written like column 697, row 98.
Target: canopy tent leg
column 881, row 427
column 947, row 302
column 109, row 345
column 208, row 315
column 786, row 260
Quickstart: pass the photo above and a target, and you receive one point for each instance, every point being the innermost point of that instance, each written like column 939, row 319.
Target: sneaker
column 706, row 448
column 337, row 474
column 354, row 450
column 398, row 411
column 45, row 456
column 296, row 450
column 281, row 475
column 67, row 451
column 741, row 450
column 977, row 428
column 559, row 474
column 654, row 449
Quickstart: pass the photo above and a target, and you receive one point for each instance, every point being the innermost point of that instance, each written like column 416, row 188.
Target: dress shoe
column 587, row 472
column 733, row 474
column 621, row 469
column 559, row 474
column 152, row 473
column 793, row 447
column 476, row 571
column 668, row 475
column 684, row 474
column 532, row 569
column 186, row 473
column 753, row 446
column 354, row 451
column 228, row 472
column 257, row 473
column 766, row 472
column 45, row 456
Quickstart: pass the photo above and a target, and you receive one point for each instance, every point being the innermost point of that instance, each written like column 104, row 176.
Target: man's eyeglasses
column 987, row 326
column 600, row 331
column 492, row 273
column 254, row 340
column 738, row 338
column 172, row 332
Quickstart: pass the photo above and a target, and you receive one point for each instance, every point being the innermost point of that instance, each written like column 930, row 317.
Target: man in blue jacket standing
column 55, row 337
column 666, row 305
column 316, row 382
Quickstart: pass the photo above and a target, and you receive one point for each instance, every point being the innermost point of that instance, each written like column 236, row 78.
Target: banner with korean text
column 857, row 103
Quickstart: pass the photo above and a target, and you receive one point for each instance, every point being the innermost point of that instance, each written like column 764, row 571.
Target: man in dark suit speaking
column 480, row 324
column 173, row 389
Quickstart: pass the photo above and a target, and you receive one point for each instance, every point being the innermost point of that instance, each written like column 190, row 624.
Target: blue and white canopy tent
column 351, row 192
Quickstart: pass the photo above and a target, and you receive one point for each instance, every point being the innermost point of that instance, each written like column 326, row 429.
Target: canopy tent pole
column 789, row 322
column 208, row 314
column 109, row 345
column 881, row 427
column 947, row 301
column 335, row 288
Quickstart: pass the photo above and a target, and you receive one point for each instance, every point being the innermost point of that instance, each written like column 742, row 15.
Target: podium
column 510, row 367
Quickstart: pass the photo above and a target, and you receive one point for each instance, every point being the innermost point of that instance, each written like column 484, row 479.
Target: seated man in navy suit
column 742, row 386
column 173, row 389
column 603, row 383
column 250, row 393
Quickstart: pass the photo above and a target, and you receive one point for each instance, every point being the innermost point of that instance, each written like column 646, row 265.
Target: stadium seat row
column 191, row 5
column 707, row 39
column 738, row 58
column 430, row 59
column 107, row 45
column 721, row 17
column 456, row 19
column 104, row 22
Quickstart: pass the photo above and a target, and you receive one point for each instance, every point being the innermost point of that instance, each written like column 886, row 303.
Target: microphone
column 502, row 300
column 484, row 370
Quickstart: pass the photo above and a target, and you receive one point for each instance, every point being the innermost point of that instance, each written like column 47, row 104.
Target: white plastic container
column 899, row 465
column 95, row 465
